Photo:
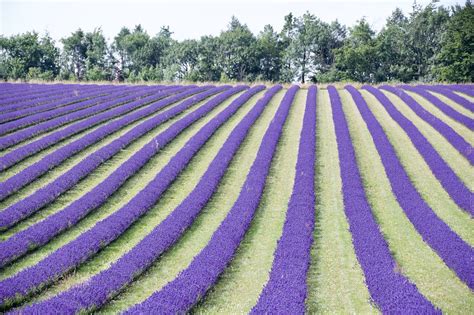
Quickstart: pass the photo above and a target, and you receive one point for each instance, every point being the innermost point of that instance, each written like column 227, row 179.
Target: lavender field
column 233, row 199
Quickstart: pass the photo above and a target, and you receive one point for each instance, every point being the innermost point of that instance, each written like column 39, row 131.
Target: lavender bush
column 53, row 159
column 20, row 153
column 103, row 286
column 446, row 109
column 90, row 242
column 456, row 189
column 183, row 292
column 286, row 290
column 390, row 290
column 451, row 95
column 455, row 252
column 43, row 231
column 66, row 181
column 444, row 129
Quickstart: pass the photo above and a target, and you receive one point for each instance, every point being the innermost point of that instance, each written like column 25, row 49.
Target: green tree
column 132, row 49
column 139, row 55
column 426, row 26
column 238, row 53
column 75, row 53
column 357, row 59
column 119, row 47
column 19, row 53
column 392, row 51
column 329, row 38
column 208, row 67
column 86, row 55
column 185, row 57
column 269, row 54
column 455, row 60
column 299, row 34
column 309, row 47
column 98, row 66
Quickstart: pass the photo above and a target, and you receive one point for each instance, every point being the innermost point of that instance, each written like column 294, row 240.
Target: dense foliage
column 431, row 43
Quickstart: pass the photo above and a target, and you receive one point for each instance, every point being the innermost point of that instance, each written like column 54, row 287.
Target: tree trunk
column 303, row 67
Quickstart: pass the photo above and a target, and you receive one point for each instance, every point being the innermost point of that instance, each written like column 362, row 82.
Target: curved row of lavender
column 29, row 132
column 390, row 290
column 20, row 92
column 48, row 125
column 183, row 292
column 12, row 91
column 105, row 285
column 53, row 159
column 451, row 95
column 40, row 233
column 44, row 94
column 56, row 102
column 34, row 114
column 445, row 108
column 18, row 99
column 120, row 107
column 444, row 129
column 286, row 290
column 87, row 100
column 41, row 197
column 456, row 189
column 455, row 252
column 90, row 242
column 462, row 88
column 87, row 297
column 23, row 96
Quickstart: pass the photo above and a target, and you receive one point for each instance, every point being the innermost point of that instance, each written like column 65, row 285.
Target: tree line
column 431, row 43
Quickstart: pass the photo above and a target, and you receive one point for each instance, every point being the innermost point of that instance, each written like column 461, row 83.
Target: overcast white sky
column 186, row 18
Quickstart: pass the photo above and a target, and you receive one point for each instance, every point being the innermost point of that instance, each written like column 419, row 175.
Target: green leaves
column 19, row 53
column 456, row 58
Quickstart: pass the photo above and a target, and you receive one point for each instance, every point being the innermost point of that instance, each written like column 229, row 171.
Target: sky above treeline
column 187, row 19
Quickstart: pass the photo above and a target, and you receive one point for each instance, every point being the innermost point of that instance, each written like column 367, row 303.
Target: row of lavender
column 67, row 180
column 42, row 232
column 107, row 230
column 166, row 295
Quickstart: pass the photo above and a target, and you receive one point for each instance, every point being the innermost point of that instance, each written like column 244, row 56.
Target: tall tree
column 132, row 49
column 119, row 47
column 269, row 54
column 185, row 56
column 85, row 54
column 392, row 51
column 426, row 26
column 238, row 53
column 299, row 34
column 97, row 64
column 27, row 54
column 455, row 60
column 309, row 46
column 357, row 59
column 208, row 67
column 75, row 53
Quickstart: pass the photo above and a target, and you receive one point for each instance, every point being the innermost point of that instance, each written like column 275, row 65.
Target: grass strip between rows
column 336, row 282
column 455, row 252
column 414, row 258
column 286, row 290
column 457, row 190
column 390, row 290
column 183, row 292
column 103, row 286
column 105, row 231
